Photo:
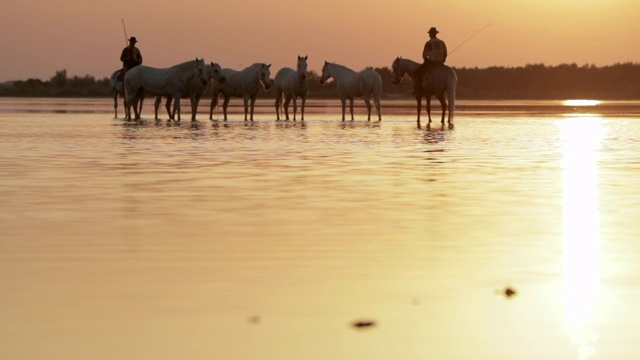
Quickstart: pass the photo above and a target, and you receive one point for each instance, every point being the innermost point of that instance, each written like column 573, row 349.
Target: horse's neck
column 185, row 70
column 254, row 72
column 339, row 72
column 409, row 66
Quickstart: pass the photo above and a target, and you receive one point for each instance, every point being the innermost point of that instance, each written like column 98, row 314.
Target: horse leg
column 195, row 100
column 304, row 100
column 443, row 105
column 429, row 109
column 125, row 106
column 156, row 106
column 253, row 104
column 287, row 101
column 136, row 102
column 171, row 113
column 176, row 105
column 368, row 102
column 246, row 107
column 167, row 106
column 351, row 107
column 419, row 108
column 115, row 104
column 214, row 103
column 295, row 107
column 136, row 113
column 277, row 104
column 225, row 104
column 141, row 101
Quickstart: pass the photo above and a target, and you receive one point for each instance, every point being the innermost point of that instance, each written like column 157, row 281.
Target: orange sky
column 85, row 37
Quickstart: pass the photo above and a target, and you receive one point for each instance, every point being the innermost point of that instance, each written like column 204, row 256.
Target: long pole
column 470, row 37
column 126, row 38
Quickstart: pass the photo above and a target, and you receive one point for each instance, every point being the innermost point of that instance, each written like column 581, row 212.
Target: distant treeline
column 536, row 81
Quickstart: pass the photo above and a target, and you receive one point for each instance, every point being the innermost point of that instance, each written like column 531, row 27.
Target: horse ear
column 306, row 56
column 269, row 65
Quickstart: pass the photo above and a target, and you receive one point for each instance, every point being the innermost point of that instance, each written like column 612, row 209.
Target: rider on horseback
column 434, row 54
column 130, row 57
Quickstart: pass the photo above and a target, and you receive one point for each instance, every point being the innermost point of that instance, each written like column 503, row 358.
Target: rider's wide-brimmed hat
column 133, row 39
column 433, row 31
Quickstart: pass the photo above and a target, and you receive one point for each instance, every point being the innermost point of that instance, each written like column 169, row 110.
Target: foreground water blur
column 513, row 236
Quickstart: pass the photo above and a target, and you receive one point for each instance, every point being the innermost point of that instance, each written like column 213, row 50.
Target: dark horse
column 442, row 79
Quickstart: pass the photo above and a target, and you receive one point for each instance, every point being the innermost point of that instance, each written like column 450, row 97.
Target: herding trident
column 126, row 38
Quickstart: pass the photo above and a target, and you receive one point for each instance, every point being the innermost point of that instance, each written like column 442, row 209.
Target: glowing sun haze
column 86, row 37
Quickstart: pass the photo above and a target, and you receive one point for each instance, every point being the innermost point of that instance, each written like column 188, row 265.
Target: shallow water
column 271, row 240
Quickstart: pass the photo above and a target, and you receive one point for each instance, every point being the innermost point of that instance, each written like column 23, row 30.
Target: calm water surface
column 272, row 240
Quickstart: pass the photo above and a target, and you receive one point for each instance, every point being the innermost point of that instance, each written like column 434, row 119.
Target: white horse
column 194, row 90
column 117, row 88
column 441, row 79
column 161, row 82
column 351, row 84
column 293, row 83
column 241, row 84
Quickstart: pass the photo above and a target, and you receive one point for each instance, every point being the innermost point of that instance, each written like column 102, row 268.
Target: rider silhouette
column 130, row 57
column 434, row 54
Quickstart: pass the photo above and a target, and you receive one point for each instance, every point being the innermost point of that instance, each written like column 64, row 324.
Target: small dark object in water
column 362, row 324
column 254, row 319
column 509, row 292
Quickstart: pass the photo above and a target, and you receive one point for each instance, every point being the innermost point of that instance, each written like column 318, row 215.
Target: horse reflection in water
column 293, row 84
column 243, row 84
column 440, row 80
column 194, row 90
column 142, row 80
column 350, row 84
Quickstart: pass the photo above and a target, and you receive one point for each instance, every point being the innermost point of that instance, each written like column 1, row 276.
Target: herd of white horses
column 191, row 79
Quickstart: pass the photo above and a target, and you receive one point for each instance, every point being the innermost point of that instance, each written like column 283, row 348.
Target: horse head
column 396, row 75
column 301, row 68
column 325, row 73
column 215, row 73
column 265, row 76
column 200, row 71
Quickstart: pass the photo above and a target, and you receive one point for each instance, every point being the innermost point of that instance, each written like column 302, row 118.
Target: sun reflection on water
column 581, row 102
column 581, row 142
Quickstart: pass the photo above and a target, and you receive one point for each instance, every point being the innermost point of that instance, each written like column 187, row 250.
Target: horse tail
column 114, row 79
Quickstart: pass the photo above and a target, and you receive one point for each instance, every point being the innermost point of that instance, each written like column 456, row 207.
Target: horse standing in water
column 170, row 81
column 241, row 84
column 441, row 79
column 351, row 84
column 293, row 83
column 117, row 88
column 194, row 90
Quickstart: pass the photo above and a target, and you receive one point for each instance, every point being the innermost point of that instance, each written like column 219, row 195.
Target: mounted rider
column 434, row 54
column 130, row 57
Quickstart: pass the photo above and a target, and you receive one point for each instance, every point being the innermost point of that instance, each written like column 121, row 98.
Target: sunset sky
column 40, row 37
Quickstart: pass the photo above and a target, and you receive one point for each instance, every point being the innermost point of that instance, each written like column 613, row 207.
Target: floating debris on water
column 509, row 292
column 363, row 324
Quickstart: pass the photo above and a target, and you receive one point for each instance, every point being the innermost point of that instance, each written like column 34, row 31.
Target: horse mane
column 254, row 66
column 342, row 67
column 186, row 64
